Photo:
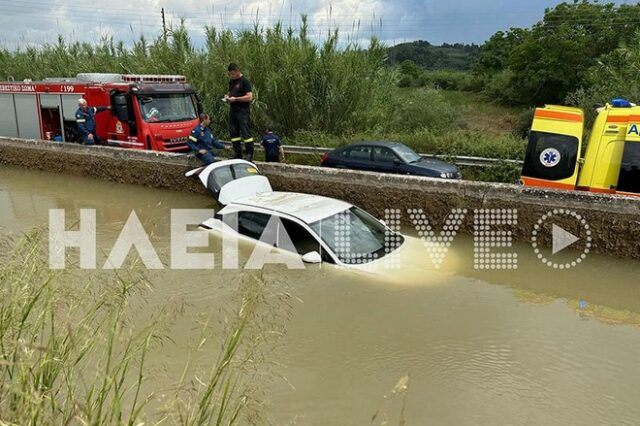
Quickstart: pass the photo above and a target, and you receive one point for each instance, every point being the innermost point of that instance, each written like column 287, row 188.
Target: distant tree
column 408, row 67
column 430, row 57
column 547, row 62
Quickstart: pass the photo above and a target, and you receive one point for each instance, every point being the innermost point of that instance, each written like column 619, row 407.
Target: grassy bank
column 70, row 354
column 463, row 124
column 437, row 122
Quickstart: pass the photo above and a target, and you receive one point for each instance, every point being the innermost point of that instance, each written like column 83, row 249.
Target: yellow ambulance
column 611, row 161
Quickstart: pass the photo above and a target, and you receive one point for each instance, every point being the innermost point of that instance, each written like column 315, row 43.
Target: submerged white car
column 319, row 229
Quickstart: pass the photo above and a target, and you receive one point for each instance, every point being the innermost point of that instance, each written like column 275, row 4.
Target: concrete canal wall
column 614, row 221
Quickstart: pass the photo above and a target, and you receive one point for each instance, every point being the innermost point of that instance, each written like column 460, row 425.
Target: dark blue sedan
column 388, row 157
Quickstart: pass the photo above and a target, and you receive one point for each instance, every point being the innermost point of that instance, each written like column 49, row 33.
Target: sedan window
column 251, row 224
column 219, row 178
column 244, row 170
column 302, row 240
column 366, row 236
column 362, row 153
column 407, row 154
column 384, row 155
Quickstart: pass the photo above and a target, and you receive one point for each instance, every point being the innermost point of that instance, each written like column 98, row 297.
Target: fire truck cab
column 611, row 161
column 155, row 112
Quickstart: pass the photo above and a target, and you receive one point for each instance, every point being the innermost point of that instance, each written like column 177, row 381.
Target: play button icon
column 561, row 239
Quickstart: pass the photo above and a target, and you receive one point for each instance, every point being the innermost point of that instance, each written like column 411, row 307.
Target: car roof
column 306, row 207
column 389, row 144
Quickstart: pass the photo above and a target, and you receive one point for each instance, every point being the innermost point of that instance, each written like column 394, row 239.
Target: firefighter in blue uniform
column 86, row 120
column 202, row 142
column 273, row 150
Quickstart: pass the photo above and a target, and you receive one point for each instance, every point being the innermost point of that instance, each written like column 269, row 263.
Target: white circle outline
column 552, row 151
column 538, row 227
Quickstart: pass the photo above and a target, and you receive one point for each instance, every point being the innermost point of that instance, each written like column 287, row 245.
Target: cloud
column 38, row 21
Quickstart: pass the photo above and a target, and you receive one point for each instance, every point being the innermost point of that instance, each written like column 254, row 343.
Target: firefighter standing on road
column 239, row 97
column 86, row 120
column 202, row 142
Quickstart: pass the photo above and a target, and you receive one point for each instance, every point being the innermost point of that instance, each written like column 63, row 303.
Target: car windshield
column 165, row 108
column 354, row 236
column 407, row 154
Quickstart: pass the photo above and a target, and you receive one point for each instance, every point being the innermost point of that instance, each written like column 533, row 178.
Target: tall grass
column 298, row 84
column 69, row 354
column 323, row 94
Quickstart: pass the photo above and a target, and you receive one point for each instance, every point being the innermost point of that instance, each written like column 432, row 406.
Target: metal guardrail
column 460, row 160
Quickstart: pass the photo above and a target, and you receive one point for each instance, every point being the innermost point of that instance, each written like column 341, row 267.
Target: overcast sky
column 25, row 22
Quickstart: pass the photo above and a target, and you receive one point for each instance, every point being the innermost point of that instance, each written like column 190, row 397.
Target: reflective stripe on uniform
column 80, row 120
column 236, row 139
column 248, row 140
column 193, row 138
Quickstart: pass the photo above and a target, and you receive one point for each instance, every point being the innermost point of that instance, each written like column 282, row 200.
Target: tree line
column 580, row 53
column 558, row 56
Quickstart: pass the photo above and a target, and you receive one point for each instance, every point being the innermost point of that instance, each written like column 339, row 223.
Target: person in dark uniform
column 239, row 98
column 86, row 120
column 202, row 142
column 273, row 150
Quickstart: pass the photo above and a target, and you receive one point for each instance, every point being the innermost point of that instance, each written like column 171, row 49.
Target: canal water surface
column 532, row 345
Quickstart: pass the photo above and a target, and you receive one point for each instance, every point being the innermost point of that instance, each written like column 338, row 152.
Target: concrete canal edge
column 613, row 220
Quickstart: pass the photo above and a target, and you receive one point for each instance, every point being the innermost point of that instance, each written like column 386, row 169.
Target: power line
column 353, row 28
column 230, row 21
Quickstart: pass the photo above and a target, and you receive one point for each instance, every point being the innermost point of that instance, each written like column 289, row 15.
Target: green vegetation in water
column 69, row 353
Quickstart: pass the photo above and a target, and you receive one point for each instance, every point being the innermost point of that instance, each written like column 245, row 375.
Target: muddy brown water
column 528, row 346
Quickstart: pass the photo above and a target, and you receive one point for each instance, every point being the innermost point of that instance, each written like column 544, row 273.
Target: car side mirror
column 312, row 257
column 396, row 162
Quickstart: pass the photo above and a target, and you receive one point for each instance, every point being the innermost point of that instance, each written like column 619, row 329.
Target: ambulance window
column 550, row 156
column 629, row 180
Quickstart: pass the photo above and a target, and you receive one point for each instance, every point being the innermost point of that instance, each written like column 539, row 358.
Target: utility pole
column 164, row 26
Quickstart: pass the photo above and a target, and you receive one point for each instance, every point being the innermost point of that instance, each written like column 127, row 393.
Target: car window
column 360, row 153
column 244, row 170
column 407, row 154
column 367, row 236
column 219, row 178
column 252, row 224
column 383, row 155
column 302, row 240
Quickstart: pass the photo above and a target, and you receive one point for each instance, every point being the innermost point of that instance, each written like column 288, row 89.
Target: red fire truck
column 155, row 112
